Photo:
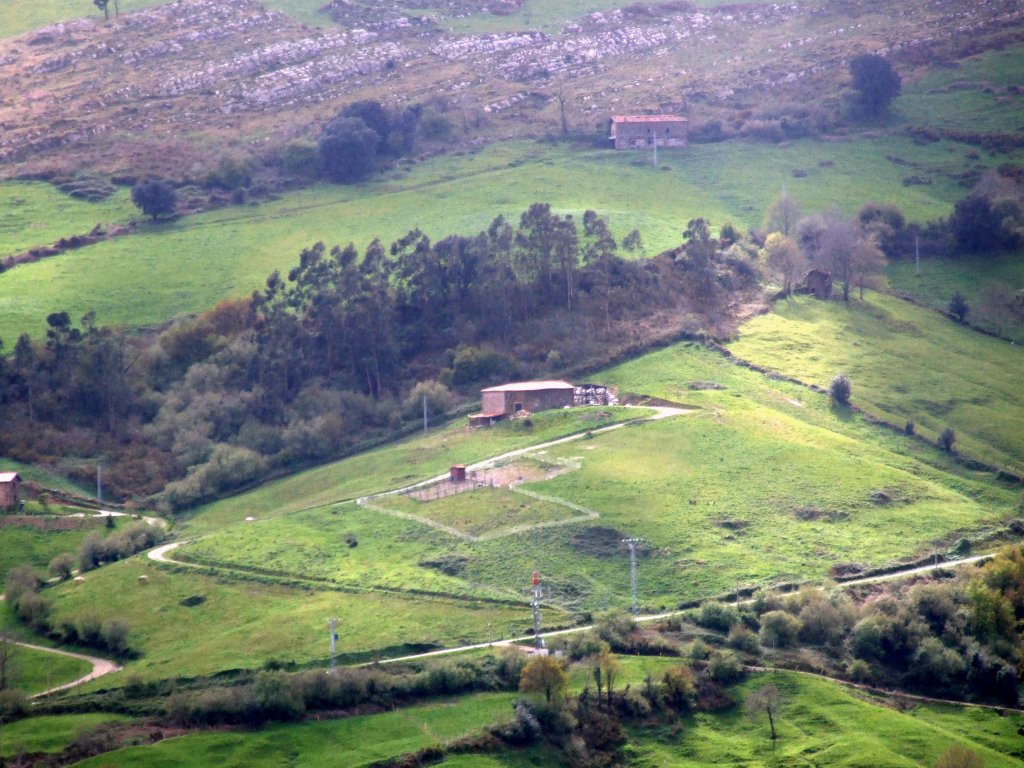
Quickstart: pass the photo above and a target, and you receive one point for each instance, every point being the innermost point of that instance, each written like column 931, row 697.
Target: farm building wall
column 630, row 133
column 9, row 491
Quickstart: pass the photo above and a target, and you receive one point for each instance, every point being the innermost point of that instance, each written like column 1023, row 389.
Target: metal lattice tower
column 536, row 610
column 631, row 543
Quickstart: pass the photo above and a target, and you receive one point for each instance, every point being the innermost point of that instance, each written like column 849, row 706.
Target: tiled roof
column 648, row 119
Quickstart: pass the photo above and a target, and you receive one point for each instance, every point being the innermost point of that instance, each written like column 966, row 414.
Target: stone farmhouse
column 640, row 131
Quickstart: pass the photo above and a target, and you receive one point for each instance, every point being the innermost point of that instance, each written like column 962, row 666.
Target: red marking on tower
column 536, row 578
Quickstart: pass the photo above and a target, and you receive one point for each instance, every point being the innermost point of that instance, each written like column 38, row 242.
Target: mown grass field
column 49, row 733
column 171, row 268
column 905, row 364
column 36, row 671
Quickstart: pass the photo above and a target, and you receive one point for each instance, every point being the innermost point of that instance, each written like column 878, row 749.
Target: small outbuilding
column 531, row 396
column 639, row 131
column 10, row 489
column 819, row 283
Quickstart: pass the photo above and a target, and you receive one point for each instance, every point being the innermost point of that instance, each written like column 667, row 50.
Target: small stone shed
column 638, row 131
column 509, row 399
column 10, row 489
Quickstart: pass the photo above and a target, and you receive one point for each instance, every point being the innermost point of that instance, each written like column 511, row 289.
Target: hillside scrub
column 321, row 360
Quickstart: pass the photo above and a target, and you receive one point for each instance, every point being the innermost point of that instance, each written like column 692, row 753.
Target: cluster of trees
column 848, row 249
column 365, row 135
column 991, row 218
column 97, row 550
column 328, row 356
column 957, row 638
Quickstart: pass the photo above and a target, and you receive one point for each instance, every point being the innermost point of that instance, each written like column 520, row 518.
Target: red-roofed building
column 532, row 396
column 638, row 131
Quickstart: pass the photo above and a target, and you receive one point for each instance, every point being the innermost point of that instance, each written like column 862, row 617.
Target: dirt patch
column 604, row 541
column 450, row 565
column 505, row 476
column 732, row 525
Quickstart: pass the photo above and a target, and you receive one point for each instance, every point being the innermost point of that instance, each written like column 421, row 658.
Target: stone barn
column 819, row 283
column 509, row 399
column 640, row 131
column 10, row 488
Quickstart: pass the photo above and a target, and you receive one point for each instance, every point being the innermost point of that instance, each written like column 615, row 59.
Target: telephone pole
column 631, row 543
column 536, row 611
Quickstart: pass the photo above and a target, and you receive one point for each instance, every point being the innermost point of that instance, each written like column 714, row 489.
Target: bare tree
column 765, row 701
column 783, row 215
column 995, row 304
column 851, row 256
column 785, row 259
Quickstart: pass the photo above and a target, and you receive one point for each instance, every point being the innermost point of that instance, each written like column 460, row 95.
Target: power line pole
column 424, row 414
column 99, row 483
column 332, row 623
column 631, row 543
column 536, row 611
column 654, row 133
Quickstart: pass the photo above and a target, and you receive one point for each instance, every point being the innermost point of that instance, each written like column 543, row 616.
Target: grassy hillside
column 906, row 364
column 818, row 720
column 169, row 269
column 48, row 733
column 36, row 671
column 940, row 278
column 350, row 742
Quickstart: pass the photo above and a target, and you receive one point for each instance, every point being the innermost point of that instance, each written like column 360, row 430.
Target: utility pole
column 536, row 611
column 631, row 543
column 99, row 483
column 424, row 414
column 654, row 133
column 332, row 623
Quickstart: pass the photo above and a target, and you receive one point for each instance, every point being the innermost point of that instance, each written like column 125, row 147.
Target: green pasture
column 398, row 465
column 36, row 671
column 242, row 623
column 34, row 473
column 821, row 723
column 34, row 213
column 905, row 363
column 483, row 511
column 345, row 743
column 24, row 544
column 49, row 733
column 172, row 268
column 971, row 96
column 939, row 278
column 745, row 494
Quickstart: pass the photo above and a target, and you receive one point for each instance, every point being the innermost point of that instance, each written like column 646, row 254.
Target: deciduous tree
column 765, row 701
column 876, row 81
column 543, row 674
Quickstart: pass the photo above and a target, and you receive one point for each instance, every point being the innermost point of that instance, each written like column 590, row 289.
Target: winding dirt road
column 100, row 667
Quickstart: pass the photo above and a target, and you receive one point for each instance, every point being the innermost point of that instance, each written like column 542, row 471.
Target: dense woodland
column 341, row 350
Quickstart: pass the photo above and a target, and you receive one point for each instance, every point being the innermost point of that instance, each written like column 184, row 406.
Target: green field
column 482, row 512
column 37, row 671
column 25, row 545
column 350, row 742
column 824, row 724
column 172, row 268
column 940, row 278
column 971, row 96
column 397, row 465
column 820, row 723
column 49, row 733
column 244, row 623
column 905, row 364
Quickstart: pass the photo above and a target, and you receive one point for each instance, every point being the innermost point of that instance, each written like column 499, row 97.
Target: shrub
column 698, row 650
column 840, row 389
column 958, row 306
column 155, row 198
column 717, row 616
column 724, row 667
column 437, row 395
column 860, row 671
column 742, row 639
column 947, row 440
column 13, row 704
column 957, row 756
column 348, row 149
column 779, row 629
column 114, row 634
column 678, row 687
